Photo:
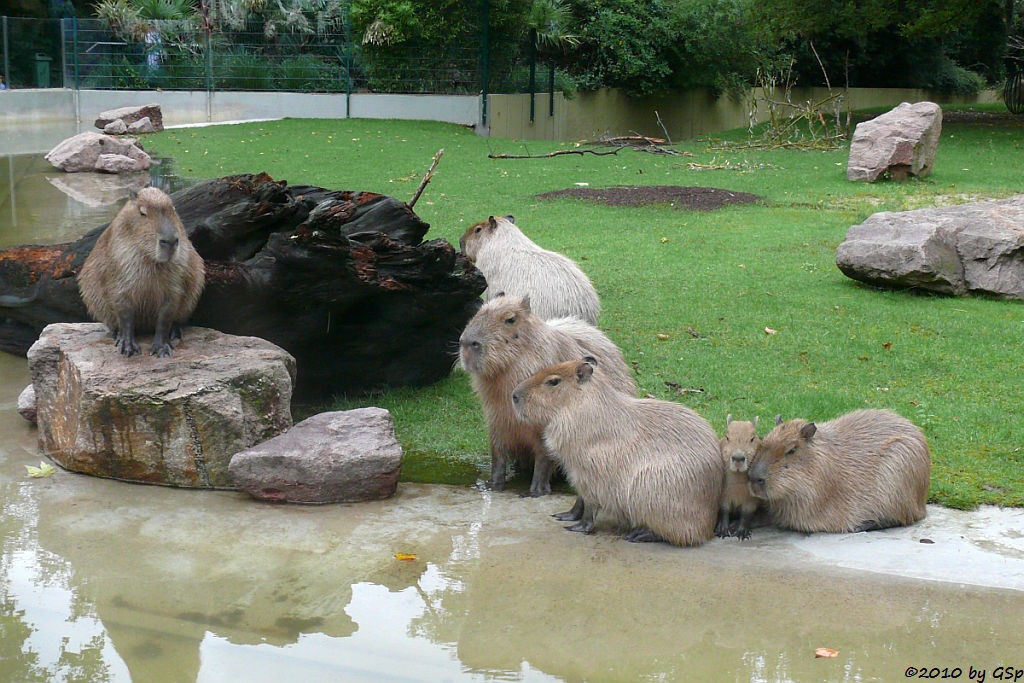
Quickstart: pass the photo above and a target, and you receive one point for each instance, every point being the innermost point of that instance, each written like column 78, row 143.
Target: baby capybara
column 738, row 447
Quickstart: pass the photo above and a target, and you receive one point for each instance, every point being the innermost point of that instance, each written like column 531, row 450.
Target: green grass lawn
column 710, row 282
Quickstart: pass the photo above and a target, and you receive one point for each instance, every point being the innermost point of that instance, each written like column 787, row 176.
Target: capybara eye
column 791, row 451
column 554, row 381
column 142, row 211
column 510, row 321
column 477, row 230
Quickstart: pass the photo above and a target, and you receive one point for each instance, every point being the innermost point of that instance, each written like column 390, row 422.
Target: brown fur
column 514, row 265
column 143, row 274
column 737, row 448
column 504, row 344
column 869, row 469
column 652, row 464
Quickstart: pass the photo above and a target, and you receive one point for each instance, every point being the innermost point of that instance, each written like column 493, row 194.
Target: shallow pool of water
column 103, row 580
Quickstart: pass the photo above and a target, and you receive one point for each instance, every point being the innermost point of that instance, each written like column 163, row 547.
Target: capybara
column 503, row 344
column 143, row 274
column 514, row 265
column 654, row 465
column 738, row 447
column 868, row 469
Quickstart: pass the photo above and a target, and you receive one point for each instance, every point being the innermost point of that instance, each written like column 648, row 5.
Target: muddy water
column 101, row 580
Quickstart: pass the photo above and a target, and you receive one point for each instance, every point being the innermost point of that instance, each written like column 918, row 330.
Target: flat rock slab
column 976, row 247
column 337, row 457
column 900, row 143
column 174, row 421
column 130, row 115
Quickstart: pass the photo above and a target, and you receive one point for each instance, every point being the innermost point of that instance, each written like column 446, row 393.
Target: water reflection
column 41, row 205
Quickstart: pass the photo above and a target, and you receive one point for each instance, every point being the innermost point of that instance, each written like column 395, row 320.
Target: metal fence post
column 7, row 55
column 209, row 76
column 348, row 59
column 486, row 20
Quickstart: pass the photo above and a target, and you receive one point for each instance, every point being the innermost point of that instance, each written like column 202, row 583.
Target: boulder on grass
column 899, row 143
column 132, row 114
column 336, row 457
column 175, row 420
column 969, row 248
column 82, row 152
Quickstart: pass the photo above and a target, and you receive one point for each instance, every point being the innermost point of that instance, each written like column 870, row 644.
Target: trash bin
column 43, row 70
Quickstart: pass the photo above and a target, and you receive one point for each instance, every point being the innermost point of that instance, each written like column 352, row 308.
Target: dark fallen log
column 342, row 280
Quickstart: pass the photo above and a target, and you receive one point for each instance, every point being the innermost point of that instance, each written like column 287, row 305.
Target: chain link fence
column 181, row 55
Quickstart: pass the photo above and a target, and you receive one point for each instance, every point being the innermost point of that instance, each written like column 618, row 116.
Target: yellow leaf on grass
column 826, row 652
column 405, row 557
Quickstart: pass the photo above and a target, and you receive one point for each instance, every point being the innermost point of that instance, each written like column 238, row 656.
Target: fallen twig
column 426, row 178
column 663, row 129
column 555, row 153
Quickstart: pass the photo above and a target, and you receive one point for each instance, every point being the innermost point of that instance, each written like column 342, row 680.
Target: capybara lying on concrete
column 869, row 469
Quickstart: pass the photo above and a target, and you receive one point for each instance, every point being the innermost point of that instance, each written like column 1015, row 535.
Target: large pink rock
column 897, row 144
column 132, row 114
column 83, row 152
column 336, row 457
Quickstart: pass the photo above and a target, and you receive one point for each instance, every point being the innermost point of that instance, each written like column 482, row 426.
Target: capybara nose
column 515, row 397
column 171, row 242
column 758, row 482
column 738, row 459
column 468, row 344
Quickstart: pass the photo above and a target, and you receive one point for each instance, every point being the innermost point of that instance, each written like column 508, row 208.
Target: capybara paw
column 128, row 347
column 495, row 485
column 175, row 333
column 743, row 534
column 723, row 530
column 531, row 494
column 582, row 527
column 161, row 350
column 568, row 515
column 641, row 535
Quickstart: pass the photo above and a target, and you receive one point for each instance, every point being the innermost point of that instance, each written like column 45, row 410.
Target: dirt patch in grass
column 692, row 198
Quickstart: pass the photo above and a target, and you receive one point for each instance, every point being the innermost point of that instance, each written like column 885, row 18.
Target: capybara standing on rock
column 143, row 274
column 869, row 469
column 654, row 464
column 514, row 265
column 503, row 344
column 738, row 447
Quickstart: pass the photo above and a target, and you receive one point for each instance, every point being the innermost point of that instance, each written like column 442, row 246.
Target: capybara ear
column 510, row 218
column 491, row 222
column 728, row 419
column 501, row 293
column 808, row 430
column 591, row 360
column 584, row 371
column 778, row 420
column 525, row 302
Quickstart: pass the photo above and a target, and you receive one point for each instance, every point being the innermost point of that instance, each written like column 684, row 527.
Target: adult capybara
column 503, row 344
column 869, row 469
column 737, row 447
column 653, row 464
column 513, row 264
column 143, row 274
